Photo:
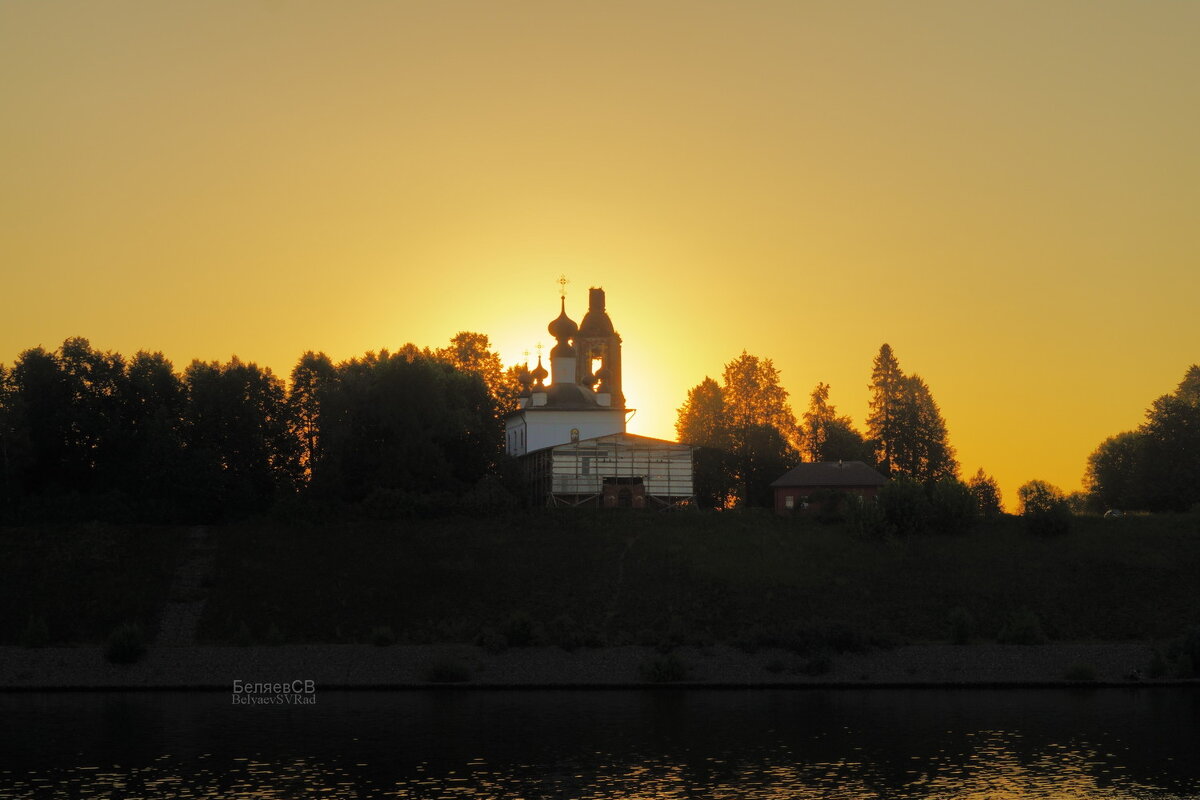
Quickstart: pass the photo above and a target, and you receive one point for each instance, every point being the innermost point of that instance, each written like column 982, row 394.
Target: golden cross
column 562, row 282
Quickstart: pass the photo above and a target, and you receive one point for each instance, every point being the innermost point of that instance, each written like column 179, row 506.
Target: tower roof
column 596, row 321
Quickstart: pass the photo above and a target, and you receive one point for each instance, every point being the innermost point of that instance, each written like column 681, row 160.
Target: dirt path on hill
column 180, row 619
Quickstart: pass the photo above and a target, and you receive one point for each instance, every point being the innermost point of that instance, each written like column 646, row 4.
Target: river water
column 860, row 743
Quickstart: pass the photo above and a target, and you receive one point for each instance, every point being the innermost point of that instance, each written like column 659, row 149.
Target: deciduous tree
column 701, row 422
column 825, row 436
column 986, row 492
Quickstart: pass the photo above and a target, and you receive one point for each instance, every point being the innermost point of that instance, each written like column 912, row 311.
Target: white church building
column 570, row 434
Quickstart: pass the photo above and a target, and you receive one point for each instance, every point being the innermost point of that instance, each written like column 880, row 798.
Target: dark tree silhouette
column 747, row 431
column 827, row 437
column 986, row 491
column 404, row 423
column 920, row 447
column 887, row 392
column 701, row 422
column 236, row 431
column 311, row 378
column 1156, row 467
column 1112, row 476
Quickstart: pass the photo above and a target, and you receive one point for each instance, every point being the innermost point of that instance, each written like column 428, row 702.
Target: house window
column 789, row 501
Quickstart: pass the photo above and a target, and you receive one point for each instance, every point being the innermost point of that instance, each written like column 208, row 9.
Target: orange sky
column 1006, row 192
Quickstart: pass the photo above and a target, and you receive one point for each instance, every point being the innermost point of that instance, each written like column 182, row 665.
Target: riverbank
column 423, row 666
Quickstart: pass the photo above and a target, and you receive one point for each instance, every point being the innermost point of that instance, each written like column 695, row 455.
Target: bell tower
column 598, row 352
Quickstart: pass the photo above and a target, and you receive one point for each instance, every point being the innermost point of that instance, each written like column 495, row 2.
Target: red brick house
column 851, row 477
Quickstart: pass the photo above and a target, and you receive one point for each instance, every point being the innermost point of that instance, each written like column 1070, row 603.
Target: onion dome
column 562, row 350
column 563, row 327
column 525, row 378
column 539, row 373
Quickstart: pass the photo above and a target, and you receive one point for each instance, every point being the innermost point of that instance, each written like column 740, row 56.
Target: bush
column 953, row 508
column 663, row 668
column 864, row 517
column 1044, row 508
column 126, row 644
column 1184, row 653
column 383, row 636
column 36, row 633
column 962, row 625
column 828, row 505
column 905, row 506
column 1080, row 672
column 521, row 631
column 492, row 640
column 1023, row 627
column 243, row 637
column 488, row 496
column 819, row 664
column 565, row 632
column 447, row 670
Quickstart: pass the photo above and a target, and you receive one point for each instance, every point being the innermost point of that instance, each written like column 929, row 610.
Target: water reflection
column 608, row 744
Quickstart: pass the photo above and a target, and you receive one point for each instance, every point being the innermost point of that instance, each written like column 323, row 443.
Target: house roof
column 831, row 474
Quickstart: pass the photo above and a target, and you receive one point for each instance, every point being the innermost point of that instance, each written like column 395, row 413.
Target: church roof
column 831, row 474
column 569, row 396
column 620, row 440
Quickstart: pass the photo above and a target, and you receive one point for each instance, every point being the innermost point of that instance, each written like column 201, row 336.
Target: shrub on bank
column 447, row 670
column 126, row 644
column 1023, row 627
column 961, row 624
column 663, row 668
column 1044, row 508
column 36, row 632
column 383, row 636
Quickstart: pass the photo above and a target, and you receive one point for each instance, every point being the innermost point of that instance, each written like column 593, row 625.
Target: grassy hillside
column 754, row 579
column 76, row 584
column 579, row 578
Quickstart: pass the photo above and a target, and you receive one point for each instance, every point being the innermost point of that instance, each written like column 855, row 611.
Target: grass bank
column 76, row 584
column 748, row 579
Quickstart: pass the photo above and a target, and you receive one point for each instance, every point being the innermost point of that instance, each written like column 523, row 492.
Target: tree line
column 86, row 434
column 748, row 434
column 1157, row 466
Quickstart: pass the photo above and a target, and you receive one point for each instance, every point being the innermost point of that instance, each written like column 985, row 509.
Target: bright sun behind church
column 570, row 435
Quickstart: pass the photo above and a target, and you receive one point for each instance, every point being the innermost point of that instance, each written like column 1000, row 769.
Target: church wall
column 549, row 428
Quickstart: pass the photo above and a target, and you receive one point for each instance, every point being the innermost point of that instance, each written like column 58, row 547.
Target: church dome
column 539, row 372
column 563, row 327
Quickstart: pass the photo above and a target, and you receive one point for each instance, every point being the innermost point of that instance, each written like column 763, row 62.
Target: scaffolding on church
column 616, row 471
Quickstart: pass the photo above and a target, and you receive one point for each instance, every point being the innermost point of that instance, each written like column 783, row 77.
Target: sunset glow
column 1006, row 193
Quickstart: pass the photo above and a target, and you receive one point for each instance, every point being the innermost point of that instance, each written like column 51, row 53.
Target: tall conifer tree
column 887, row 390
